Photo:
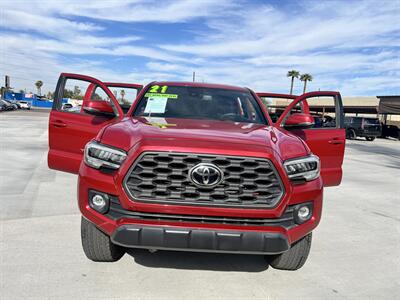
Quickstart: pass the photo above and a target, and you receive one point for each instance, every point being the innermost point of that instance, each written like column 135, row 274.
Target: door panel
column 327, row 138
column 70, row 128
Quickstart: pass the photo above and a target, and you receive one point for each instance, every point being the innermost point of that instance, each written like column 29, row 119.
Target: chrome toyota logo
column 205, row 175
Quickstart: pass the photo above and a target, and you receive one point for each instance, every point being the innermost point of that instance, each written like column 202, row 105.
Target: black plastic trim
column 201, row 240
column 117, row 212
column 191, row 203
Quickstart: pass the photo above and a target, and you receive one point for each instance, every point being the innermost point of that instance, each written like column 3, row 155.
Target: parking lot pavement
column 355, row 252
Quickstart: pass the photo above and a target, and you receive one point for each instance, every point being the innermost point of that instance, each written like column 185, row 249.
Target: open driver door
column 82, row 106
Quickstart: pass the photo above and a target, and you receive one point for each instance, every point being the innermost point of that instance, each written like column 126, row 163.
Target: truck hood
column 209, row 135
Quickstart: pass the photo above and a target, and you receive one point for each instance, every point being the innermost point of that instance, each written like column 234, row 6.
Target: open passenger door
column 82, row 106
column 326, row 136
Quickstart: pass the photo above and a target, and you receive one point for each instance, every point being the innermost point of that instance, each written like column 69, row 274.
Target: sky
column 349, row 46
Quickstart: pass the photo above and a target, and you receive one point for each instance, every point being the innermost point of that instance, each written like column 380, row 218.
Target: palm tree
column 122, row 93
column 305, row 78
column 293, row 74
column 39, row 85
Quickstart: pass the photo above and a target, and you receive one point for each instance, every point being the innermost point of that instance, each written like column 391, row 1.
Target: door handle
column 58, row 123
column 336, row 141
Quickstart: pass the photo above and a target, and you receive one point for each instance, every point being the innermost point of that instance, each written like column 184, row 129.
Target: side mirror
column 299, row 121
column 99, row 108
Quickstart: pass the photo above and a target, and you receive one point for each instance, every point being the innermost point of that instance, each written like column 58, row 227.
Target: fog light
column 303, row 212
column 98, row 201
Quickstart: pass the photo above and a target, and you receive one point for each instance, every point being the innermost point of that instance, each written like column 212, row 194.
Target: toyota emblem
column 205, row 175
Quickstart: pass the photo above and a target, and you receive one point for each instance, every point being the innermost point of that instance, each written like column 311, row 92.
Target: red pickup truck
column 195, row 167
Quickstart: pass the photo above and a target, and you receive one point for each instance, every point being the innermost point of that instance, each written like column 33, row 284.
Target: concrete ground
column 355, row 251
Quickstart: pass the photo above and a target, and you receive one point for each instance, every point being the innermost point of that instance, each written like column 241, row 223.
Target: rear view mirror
column 299, row 121
column 99, row 108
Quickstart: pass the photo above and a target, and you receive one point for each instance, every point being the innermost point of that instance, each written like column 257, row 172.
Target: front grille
column 117, row 212
column 163, row 177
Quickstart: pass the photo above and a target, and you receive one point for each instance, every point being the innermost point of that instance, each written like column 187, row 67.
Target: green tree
column 122, row 93
column 50, row 95
column 39, row 85
column 293, row 74
column 68, row 93
column 77, row 92
column 73, row 94
column 305, row 78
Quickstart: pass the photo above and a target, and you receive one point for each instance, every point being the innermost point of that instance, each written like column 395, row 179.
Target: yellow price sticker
column 155, row 95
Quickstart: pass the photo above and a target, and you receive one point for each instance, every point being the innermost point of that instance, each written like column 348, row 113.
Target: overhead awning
column 389, row 105
column 331, row 109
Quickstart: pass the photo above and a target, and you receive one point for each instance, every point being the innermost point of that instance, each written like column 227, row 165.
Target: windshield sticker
column 170, row 96
column 157, row 120
column 156, row 105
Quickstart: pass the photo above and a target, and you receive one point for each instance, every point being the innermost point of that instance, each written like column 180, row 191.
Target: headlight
column 305, row 168
column 98, row 155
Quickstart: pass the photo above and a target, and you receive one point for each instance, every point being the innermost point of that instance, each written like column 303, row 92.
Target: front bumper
column 205, row 228
column 203, row 240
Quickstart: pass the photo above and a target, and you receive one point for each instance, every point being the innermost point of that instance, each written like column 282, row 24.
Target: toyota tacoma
column 195, row 167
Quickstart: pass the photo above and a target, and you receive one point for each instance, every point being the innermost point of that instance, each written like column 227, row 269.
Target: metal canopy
column 389, row 105
column 331, row 109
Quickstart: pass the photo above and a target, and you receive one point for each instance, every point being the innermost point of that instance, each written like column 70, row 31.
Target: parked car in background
column 25, row 104
column 75, row 109
column 390, row 131
column 3, row 106
column 6, row 105
column 369, row 128
column 66, row 106
column 13, row 104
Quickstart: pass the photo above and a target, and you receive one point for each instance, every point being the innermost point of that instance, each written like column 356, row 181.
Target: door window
column 76, row 92
column 99, row 95
column 72, row 97
column 324, row 109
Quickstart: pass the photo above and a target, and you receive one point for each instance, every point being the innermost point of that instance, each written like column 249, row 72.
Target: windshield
column 188, row 102
column 371, row 121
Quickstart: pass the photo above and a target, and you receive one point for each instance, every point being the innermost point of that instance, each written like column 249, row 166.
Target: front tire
column 294, row 258
column 97, row 245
